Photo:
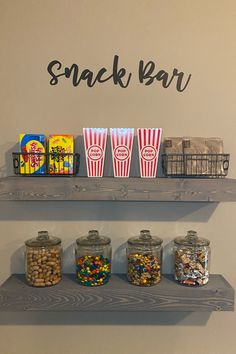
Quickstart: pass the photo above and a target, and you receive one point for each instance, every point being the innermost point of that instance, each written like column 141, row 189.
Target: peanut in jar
column 43, row 260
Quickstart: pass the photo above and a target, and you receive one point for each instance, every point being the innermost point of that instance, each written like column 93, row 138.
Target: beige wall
column 197, row 37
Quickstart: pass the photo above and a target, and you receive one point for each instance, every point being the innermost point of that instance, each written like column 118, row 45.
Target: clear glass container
column 192, row 259
column 144, row 255
column 93, row 259
column 43, row 264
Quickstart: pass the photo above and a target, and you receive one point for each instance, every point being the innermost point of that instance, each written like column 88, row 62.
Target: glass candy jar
column 43, row 260
column 93, row 259
column 192, row 258
column 144, row 255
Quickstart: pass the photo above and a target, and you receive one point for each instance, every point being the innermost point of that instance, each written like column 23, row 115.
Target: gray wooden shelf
column 118, row 189
column 117, row 295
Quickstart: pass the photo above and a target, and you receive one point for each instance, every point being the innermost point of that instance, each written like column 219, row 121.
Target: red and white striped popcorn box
column 121, row 146
column 95, row 146
column 149, row 141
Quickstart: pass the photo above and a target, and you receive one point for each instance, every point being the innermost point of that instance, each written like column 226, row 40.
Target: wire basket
column 195, row 165
column 45, row 164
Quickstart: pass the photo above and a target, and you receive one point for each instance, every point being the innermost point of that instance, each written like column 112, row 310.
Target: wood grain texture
column 117, row 295
column 121, row 189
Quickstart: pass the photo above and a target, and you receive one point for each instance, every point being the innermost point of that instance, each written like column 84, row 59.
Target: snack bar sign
column 148, row 73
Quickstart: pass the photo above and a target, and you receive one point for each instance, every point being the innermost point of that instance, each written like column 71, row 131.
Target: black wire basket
column 45, row 164
column 195, row 165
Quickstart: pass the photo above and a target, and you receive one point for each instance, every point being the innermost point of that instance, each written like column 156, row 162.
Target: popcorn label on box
column 61, row 149
column 34, row 163
column 95, row 146
column 121, row 144
column 149, row 140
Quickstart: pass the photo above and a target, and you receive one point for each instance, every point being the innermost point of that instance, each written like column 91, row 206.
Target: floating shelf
column 117, row 295
column 118, row 189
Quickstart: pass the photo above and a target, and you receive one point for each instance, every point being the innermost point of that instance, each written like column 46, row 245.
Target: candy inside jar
column 192, row 259
column 93, row 259
column 144, row 254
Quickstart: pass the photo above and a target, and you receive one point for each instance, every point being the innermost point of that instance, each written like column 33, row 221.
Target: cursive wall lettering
column 119, row 75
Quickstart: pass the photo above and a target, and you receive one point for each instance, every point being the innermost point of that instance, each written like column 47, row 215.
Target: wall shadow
column 6, row 166
column 17, row 262
column 105, row 318
column 168, row 258
column 119, row 259
column 106, row 210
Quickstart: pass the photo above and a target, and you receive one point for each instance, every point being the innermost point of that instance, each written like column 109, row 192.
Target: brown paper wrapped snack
column 209, row 163
column 215, row 145
column 174, row 163
column 216, row 148
column 194, row 156
column 195, row 165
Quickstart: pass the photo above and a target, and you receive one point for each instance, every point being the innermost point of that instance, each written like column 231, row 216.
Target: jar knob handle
column 145, row 235
column 93, row 234
column 192, row 236
column 43, row 235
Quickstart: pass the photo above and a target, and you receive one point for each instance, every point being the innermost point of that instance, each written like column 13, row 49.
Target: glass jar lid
column 93, row 239
column 191, row 239
column 145, row 239
column 43, row 240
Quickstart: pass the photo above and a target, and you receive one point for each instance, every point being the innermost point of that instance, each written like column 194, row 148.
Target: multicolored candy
column 93, row 270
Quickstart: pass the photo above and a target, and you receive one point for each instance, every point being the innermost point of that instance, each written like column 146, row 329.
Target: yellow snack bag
column 61, row 148
column 32, row 159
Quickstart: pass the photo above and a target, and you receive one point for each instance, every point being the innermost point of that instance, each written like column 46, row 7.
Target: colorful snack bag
column 95, row 146
column 149, row 141
column 61, row 149
column 121, row 144
column 34, row 163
